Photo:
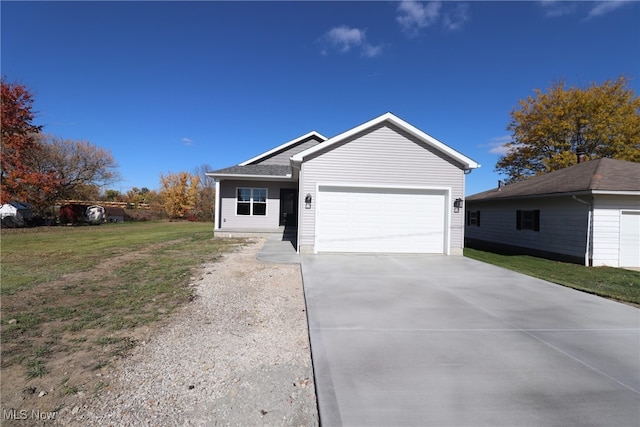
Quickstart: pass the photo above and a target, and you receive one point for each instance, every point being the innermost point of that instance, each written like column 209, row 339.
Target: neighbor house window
column 473, row 218
column 251, row 201
column 528, row 220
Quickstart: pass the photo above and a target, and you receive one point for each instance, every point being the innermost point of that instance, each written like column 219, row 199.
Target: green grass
column 614, row 283
column 60, row 284
column 44, row 254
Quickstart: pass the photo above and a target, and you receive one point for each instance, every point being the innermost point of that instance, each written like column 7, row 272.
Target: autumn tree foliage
column 550, row 129
column 18, row 180
column 178, row 193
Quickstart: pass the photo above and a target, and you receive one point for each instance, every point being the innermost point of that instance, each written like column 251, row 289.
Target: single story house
column 382, row 186
column 588, row 213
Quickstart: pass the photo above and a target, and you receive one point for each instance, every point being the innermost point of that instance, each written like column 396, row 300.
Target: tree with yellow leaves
column 178, row 193
column 550, row 130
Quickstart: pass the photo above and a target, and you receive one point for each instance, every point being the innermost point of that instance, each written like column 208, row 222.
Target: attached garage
column 391, row 220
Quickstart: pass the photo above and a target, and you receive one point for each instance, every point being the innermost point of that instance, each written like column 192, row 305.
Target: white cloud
column 414, row 16
column 188, row 142
column 371, row 51
column 453, row 20
column 498, row 145
column 603, row 7
column 345, row 39
column 556, row 8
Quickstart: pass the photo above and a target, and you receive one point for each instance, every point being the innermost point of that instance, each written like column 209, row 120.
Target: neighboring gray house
column 383, row 186
column 588, row 213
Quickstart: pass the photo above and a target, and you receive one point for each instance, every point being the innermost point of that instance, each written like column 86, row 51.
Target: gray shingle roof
column 595, row 175
column 260, row 170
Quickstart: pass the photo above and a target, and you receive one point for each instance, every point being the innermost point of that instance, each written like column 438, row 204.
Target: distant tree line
column 42, row 169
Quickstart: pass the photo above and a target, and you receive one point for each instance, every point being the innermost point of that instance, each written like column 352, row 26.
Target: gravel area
column 237, row 355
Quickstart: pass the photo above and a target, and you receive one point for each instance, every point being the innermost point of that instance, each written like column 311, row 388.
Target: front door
column 288, row 206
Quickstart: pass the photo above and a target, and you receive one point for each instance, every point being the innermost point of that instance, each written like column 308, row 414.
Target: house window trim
column 535, row 226
column 252, row 202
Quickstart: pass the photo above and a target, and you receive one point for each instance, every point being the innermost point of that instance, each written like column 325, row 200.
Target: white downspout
column 588, row 246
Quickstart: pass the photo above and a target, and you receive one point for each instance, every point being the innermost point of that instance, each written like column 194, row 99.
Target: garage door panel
column 630, row 239
column 380, row 220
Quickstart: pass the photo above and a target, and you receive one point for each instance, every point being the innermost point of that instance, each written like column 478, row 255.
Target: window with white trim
column 251, row 201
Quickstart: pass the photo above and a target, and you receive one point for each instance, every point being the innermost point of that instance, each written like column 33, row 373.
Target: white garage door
column 630, row 239
column 351, row 219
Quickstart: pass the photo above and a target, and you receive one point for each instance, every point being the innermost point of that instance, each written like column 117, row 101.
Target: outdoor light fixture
column 457, row 204
column 307, row 201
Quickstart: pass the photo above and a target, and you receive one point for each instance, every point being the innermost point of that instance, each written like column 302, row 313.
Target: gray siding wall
column 563, row 224
column 283, row 157
column 606, row 227
column 228, row 217
column 382, row 156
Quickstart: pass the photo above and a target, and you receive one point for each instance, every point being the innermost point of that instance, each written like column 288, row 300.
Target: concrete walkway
column 450, row 341
column 279, row 248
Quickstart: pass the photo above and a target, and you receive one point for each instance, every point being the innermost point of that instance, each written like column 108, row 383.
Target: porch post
column 216, row 218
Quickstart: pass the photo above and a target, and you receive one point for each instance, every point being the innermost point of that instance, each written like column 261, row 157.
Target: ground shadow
column 290, row 234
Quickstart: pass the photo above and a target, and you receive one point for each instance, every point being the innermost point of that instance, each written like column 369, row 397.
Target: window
column 473, row 218
column 528, row 220
column 251, row 201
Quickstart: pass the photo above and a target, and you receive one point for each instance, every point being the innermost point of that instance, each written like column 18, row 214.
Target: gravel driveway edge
column 238, row 354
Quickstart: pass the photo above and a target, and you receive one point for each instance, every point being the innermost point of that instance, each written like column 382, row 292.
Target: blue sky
column 170, row 86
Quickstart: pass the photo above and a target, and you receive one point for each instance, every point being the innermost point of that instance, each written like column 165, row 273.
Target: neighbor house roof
column 595, row 176
column 394, row 120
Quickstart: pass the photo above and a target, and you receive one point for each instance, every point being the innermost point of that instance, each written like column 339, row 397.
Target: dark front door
column 288, row 206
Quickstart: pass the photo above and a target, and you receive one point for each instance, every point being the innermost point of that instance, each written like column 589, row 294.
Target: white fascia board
column 466, row 161
column 283, row 146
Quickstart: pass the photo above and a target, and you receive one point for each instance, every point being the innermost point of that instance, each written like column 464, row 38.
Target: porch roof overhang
column 221, row 176
column 253, row 173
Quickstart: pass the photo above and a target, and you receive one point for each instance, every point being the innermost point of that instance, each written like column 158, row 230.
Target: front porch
column 283, row 233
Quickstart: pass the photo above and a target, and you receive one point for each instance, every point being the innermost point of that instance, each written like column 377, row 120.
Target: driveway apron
column 450, row 341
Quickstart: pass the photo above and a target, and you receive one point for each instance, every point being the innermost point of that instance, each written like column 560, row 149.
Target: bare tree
column 205, row 202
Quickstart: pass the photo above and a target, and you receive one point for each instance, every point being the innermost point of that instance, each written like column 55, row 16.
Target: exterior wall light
column 457, row 204
column 307, row 201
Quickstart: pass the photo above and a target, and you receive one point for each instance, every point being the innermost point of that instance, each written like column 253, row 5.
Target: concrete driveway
column 449, row 341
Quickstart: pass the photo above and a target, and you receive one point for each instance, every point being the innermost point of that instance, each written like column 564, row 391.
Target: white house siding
column 283, row 157
column 228, row 217
column 383, row 156
column 607, row 210
column 563, row 225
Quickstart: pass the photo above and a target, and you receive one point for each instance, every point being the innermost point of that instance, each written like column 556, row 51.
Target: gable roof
column 398, row 122
column 286, row 145
column 595, row 176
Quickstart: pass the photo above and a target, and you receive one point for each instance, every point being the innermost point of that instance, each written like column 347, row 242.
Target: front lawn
column 75, row 299
column 614, row 283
